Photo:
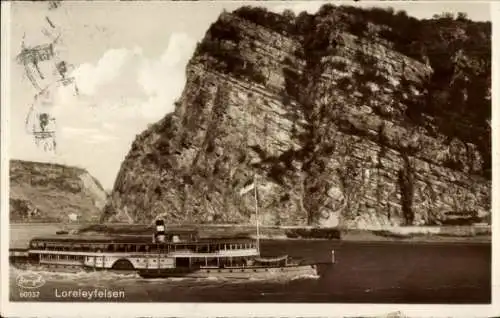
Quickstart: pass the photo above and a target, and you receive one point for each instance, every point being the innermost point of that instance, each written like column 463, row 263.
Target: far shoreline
column 21, row 233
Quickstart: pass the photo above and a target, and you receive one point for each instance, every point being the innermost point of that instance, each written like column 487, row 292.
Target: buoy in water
column 333, row 256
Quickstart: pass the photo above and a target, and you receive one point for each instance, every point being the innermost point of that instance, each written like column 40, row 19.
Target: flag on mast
column 251, row 185
column 247, row 188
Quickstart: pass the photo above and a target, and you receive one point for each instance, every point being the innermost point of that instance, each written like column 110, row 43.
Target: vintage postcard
column 262, row 158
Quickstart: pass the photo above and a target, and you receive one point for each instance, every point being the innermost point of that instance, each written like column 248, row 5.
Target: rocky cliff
column 346, row 117
column 43, row 192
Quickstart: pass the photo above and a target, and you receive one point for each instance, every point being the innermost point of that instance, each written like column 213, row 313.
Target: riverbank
column 21, row 233
column 476, row 233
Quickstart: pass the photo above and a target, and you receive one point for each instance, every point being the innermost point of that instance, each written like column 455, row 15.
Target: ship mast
column 255, row 184
column 256, row 212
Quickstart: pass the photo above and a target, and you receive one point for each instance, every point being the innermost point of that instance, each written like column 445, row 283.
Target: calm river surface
column 374, row 272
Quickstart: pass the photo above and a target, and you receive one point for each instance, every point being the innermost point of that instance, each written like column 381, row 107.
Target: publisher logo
column 30, row 280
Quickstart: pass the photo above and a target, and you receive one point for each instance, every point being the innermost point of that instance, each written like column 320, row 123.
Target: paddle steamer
column 179, row 253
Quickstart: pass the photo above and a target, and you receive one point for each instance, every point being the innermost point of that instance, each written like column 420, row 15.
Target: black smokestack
column 160, row 231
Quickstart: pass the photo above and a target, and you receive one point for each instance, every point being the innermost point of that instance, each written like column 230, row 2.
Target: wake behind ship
column 179, row 253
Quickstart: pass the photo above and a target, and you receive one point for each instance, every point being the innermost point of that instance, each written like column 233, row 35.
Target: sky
column 129, row 62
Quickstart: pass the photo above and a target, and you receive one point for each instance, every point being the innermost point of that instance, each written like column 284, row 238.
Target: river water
column 363, row 272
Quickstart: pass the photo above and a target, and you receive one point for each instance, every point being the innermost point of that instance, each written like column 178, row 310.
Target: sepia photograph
column 247, row 152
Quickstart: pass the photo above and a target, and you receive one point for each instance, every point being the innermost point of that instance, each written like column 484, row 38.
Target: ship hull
column 290, row 271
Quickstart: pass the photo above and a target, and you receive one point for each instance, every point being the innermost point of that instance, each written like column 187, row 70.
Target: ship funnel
column 160, row 231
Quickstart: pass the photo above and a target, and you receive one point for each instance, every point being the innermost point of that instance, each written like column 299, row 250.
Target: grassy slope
column 54, row 190
column 54, row 204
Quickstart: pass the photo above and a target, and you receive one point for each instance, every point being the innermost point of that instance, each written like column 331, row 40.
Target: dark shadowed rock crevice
column 344, row 118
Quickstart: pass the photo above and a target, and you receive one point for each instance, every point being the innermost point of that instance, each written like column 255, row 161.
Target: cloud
column 71, row 131
column 90, row 77
column 120, row 94
column 163, row 79
column 100, row 138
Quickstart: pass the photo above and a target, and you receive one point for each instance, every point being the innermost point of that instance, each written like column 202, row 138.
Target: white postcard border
column 22, row 309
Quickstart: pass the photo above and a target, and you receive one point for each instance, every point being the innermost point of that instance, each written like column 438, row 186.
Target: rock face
column 340, row 119
column 42, row 192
